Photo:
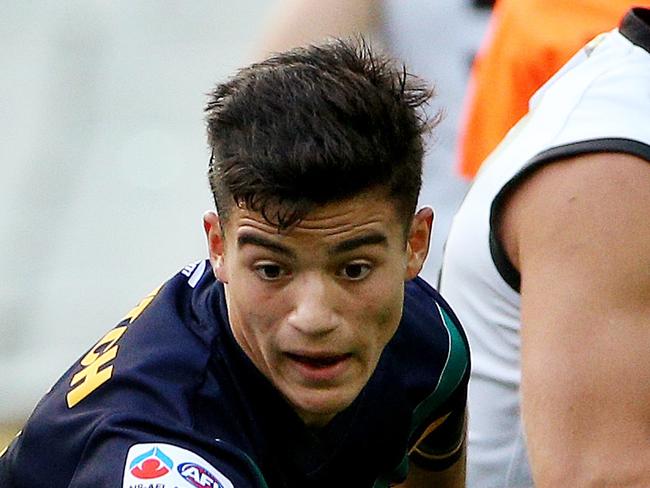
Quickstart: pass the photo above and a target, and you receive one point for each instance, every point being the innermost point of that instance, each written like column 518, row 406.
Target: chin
column 318, row 409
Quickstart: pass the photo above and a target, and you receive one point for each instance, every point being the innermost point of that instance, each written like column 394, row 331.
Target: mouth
column 319, row 368
column 318, row 361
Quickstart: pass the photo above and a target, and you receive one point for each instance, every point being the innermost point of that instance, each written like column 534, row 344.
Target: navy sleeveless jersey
column 168, row 399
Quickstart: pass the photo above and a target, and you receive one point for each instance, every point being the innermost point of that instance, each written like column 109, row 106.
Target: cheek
column 389, row 316
column 259, row 309
column 383, row 311
column 253, row 327
column 251, row 293
column 255, row 318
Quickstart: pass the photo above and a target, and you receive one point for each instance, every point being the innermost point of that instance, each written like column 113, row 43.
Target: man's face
column 314, row 307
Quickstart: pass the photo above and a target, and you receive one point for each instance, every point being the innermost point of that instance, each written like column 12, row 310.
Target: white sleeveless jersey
column 599, row 101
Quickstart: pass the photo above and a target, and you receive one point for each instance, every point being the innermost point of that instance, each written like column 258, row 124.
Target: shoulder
column 162, row 343
column 427, row 316
column 430, row 346
column 583, row 200
column 435, row 376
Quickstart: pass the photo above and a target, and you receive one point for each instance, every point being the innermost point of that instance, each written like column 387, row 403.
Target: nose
column 315, row 306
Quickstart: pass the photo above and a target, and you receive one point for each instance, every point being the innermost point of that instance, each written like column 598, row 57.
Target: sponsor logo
column 163, row 465
column 194, row 272
column 196, row 475
column 189, row 269
column 151, row 464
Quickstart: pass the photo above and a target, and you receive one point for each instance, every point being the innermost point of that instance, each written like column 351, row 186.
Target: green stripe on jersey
column 451, row 376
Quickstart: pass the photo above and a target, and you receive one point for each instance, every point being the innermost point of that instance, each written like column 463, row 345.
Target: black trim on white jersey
column 635, row 26
column 618, row 145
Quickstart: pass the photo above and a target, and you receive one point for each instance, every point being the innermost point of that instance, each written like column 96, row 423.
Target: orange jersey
column 526, row 43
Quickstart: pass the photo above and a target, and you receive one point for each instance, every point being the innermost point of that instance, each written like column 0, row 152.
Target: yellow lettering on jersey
column 91, row 377
column 139, row 308
column 96, row 370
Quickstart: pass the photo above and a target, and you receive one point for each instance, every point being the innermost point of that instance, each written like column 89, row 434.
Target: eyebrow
column 256, row 240
column 373, row 239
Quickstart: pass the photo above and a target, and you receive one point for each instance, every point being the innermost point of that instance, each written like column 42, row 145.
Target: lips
column 320, row 369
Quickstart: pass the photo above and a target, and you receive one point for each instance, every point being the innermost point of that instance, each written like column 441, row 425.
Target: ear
column 417, row 243
column 216, row 245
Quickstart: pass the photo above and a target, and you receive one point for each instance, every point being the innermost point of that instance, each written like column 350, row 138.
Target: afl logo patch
column 165, row 465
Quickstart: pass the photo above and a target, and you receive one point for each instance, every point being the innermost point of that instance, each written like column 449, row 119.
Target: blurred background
column 104, row 156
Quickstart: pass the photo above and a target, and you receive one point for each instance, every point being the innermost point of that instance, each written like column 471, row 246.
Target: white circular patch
column 161, row 465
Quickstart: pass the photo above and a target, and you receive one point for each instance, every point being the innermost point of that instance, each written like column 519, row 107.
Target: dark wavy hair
column 315, row 125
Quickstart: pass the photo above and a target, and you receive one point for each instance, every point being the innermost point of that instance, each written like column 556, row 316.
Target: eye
column 355, row 271
column 269, row 271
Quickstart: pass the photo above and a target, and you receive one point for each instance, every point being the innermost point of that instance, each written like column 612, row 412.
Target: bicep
column 583, row 250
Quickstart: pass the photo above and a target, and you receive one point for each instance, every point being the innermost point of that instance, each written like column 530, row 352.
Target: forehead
column 367, row 212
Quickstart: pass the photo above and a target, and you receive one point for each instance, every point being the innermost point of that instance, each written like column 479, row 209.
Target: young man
column 548, row 266
column 305, row 352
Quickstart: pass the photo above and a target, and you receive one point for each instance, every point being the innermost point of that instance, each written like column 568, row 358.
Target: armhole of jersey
column 456, row 368
column 503, row 264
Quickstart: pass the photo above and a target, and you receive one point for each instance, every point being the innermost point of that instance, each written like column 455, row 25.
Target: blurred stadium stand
column 103, row 162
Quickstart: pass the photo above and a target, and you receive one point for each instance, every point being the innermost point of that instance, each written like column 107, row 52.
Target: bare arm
column 296, row 22
column 579, row 232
